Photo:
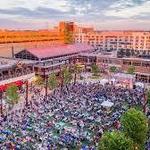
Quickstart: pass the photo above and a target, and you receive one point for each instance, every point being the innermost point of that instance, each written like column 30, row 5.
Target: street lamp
column 27, row 92
column 46, row 84
column 145, row 100
column 1, row 107
column 46, row 87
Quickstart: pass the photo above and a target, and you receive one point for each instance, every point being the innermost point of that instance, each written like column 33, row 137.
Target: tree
column 66, row 75
column 77, row 70
column 12, row 94
column 39, row 81
column 95, row 70
column 131, row 70
column 52, row 81
column 115, row 141
column 113, row 69
column 135, row 125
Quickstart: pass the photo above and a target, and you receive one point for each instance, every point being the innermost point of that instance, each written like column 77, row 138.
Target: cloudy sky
column 101, row 14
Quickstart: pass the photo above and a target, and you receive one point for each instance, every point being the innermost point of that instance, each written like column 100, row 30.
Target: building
column 15, row 71
column 142, row 66
column 66, row 25
column 53, row 58
column 21, row 36
column 127, row 43
column 132, row 43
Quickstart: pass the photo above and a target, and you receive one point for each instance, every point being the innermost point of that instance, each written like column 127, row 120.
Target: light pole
column 27, row 92
column 1, row 107
column 46, row 87
column 145, row 100
column 46, row 84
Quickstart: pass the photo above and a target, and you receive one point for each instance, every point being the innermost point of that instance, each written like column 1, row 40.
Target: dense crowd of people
column 71, row 117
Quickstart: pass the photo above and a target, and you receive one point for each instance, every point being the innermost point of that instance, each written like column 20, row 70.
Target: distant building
column 142, row 66
column 126, row 43
column 129, row 42
column 64, row 25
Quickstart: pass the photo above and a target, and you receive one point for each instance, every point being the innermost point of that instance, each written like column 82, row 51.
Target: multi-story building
column 10, row 36
column 133, row 42
column 69, row 26
column 27, row 39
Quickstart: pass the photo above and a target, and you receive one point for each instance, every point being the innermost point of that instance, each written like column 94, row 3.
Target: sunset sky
column 101, row 14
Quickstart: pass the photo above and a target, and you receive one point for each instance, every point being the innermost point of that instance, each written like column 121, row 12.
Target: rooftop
column 8, row 62
column 59, row 50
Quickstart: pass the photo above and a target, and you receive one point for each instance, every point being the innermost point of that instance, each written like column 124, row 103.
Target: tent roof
column 107, row 104
column 124, row 76
column 59, row 50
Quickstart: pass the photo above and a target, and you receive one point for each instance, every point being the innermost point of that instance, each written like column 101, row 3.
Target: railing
column 16, row 74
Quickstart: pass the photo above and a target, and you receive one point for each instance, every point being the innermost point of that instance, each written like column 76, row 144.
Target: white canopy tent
column 126, row 80
column 104, row 81
column 107, row 104
column 139, row 84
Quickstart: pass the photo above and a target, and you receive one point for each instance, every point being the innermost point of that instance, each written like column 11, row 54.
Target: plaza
column 72, row 117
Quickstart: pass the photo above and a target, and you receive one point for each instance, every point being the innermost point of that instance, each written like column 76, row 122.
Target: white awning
column 107, row 104
column 104, row 81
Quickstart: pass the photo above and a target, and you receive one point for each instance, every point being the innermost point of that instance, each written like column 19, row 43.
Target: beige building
column 137, row 41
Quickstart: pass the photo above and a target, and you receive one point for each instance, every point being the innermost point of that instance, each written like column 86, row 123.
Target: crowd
column 71, row 117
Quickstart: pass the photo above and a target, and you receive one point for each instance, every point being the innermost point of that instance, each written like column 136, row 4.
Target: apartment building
column 11, row 36
column 135, row 41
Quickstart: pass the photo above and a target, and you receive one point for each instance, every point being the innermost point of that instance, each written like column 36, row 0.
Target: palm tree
column 66, row 75
column 95, row 70
column 113, row 70
column 39, row 81
column 52, row 81
column 131, row 69
column 77, row 70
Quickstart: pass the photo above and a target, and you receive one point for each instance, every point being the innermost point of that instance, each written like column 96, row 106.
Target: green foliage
column 12, row 94
column 66, row 75
column 39, row 81
column 135, row 126
column 113, row 69
column 131, row 70
column 95, row 70
column 115, row 141
column 77, row 68
column 52, row 81
column 68, row 37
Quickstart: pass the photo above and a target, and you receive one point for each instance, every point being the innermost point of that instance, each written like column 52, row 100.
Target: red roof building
column 53, row 51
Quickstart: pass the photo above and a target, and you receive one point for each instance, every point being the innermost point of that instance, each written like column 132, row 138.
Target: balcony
column 15, row 76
